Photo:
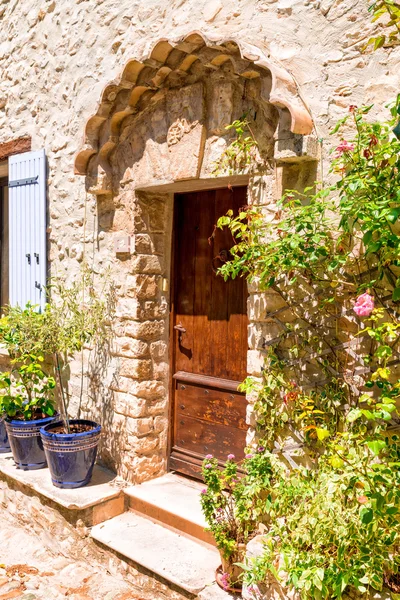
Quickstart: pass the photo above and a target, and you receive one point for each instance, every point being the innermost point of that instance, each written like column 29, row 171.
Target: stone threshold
column 171, row 500
column 92, row 504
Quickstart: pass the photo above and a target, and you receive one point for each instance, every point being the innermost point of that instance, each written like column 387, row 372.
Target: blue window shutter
column 27, row 228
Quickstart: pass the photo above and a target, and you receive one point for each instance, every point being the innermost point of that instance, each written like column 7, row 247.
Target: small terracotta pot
column 234, row 571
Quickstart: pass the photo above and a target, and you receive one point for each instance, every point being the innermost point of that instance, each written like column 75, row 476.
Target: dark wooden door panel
column 209, row 404
column 187, row 216
column 202, row 437
column 213, row 314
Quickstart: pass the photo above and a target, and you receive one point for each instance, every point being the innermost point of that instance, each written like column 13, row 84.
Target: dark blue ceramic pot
column 71, row 456
column 26, row 443
column 4, row 443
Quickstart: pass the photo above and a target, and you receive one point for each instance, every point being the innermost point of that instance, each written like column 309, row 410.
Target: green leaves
column 337, row 244
column 322, row 434
column 393, row 215
column 241, row 152
column 28, row 392
column 232, row 504
column 376, row 446
column 390, row 10
column 383, row 352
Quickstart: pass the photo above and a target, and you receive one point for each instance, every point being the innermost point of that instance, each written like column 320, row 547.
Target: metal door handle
column 180, row 328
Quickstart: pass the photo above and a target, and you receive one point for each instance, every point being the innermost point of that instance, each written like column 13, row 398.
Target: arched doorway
column 150, row 157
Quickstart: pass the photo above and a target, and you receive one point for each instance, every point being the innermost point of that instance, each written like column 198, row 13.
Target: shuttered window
column 4, row 258
column 27, row 228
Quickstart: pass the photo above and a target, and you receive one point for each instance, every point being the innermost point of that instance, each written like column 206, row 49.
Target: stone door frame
column 139, row 199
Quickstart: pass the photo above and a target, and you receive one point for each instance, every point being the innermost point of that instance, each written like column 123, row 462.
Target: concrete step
column 186, row 563
column 174, row 501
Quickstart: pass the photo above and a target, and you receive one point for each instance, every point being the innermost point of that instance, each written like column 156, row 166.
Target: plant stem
column 60, row 393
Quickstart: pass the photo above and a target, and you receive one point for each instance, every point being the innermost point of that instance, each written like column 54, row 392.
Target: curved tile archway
column 177, row 64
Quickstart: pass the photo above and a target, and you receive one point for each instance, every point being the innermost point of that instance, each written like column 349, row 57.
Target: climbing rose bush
column 335, row 524
column 364, row 305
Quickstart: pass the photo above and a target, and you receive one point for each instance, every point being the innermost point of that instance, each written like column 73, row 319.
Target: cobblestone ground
column 31, row 570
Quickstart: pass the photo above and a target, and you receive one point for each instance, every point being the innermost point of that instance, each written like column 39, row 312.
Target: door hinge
column 27, row 181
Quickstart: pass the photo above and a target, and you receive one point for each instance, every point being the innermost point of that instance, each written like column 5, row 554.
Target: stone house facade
column 130, row 103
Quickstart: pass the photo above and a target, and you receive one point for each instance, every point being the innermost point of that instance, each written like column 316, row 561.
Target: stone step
column 96, row 502
column 182, row 561
column 172, row 500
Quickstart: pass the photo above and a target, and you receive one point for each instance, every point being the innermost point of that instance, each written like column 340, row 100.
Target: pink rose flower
column 209, row 456
column 249, row 456
column 208, row 466
column 231, row 457
column 364, row 305
column 203, row 491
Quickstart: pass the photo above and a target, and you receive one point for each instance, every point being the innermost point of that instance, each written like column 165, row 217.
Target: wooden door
column 208, row 334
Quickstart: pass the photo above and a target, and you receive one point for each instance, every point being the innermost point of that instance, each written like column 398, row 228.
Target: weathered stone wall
column 56, row 57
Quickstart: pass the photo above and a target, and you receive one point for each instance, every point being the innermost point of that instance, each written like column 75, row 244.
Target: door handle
column 180, row 328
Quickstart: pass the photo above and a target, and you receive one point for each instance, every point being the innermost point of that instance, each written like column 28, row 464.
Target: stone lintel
column 16, row 146
column 192, row 185
column 92, row 504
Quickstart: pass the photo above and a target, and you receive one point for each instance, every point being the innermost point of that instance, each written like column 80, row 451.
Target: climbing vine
column 329, row 262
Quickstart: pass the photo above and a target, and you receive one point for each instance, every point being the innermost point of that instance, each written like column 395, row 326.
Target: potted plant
column 74, row 318
column 27, row 400
column 234, row 503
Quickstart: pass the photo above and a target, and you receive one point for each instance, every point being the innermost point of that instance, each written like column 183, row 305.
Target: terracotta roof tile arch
column 173, row 64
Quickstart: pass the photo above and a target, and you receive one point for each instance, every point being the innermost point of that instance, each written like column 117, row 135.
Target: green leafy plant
column 332, row 529
column 389, row 11
column 76, row 316
column 335, row 524
column 241, row 152
column 235, row 502
column 27, row 392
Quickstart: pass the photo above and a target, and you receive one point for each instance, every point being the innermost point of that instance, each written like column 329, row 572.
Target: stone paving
column 32, row 570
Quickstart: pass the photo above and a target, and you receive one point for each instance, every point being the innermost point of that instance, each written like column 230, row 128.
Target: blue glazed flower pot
column 26, row 443
column 4, row 443
column 71, row 456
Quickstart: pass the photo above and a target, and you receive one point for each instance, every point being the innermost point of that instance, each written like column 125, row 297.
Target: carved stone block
column 186, row 132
